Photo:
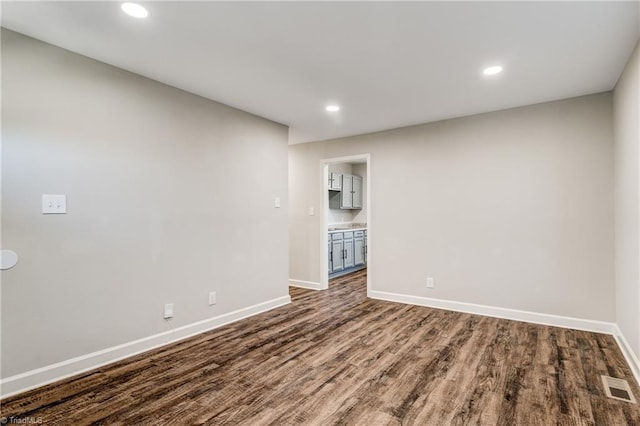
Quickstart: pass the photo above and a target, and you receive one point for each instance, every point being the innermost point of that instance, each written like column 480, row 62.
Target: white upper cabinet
column 335, row 181
column 350, row 193
column 356, row 199
column 346, row 196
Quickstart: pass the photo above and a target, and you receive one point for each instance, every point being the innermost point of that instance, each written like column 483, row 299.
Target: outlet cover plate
column 430, row 283
column 54, row 204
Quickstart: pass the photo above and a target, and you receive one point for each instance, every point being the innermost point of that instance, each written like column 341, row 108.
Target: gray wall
column 161, row 207
column 627, row 200
column 511, row 209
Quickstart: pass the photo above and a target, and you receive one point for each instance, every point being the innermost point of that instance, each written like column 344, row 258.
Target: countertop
column 347, row 227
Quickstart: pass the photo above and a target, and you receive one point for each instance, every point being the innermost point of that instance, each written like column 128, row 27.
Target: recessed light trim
column 135, row 10
column 332, row 108
column 492, row 70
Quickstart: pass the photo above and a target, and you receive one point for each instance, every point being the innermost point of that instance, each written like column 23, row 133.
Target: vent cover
column 618, row 389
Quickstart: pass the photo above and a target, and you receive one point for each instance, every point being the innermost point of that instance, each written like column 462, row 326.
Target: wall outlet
column 54, row 203
column 212, row 298
column 168, row 310
column 312, row 211
column 276, row 203
column 430, row 283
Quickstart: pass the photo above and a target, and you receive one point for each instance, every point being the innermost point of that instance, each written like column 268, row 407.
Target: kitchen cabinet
column 349, row 258
column 335, row 181
column 346, row 196
column 337, row 253
column 329, row 251
column 356, row 199
column 358, row 248
column 347, row 251
column 350, row 196
column 366, row 247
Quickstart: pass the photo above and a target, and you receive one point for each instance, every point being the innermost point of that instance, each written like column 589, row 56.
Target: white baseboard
column 305, row 284
column 54, row 372
column 630, row 356
column 62, row 370
column 517, row 315
column 492, row 311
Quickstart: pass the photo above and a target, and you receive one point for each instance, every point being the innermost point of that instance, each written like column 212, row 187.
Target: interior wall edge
column 310, row 285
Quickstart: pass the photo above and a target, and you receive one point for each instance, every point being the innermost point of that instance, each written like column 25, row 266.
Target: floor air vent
column 617, row 389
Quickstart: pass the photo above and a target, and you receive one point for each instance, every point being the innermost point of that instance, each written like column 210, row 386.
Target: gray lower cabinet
column 349, row 258
column 366, row 247
column 358, row 248
column 347, row 251
column 336, row 256
column 329, row 251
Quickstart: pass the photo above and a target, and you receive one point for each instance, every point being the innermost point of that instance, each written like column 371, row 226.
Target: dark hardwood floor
column 336, row 357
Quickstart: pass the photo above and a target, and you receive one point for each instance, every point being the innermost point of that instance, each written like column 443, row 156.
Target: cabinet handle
column 344, row 253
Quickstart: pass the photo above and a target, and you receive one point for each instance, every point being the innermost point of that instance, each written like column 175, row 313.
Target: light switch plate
column 277, row 203
column 168, row 311
column 54, row 204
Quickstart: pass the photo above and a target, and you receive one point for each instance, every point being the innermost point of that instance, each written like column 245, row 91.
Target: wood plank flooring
column 338, row 358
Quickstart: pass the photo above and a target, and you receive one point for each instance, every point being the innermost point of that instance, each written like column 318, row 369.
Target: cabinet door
column 357, row 192
column 349, row 261
column 346, row 196
column 366, row 247
column 335, row 181
column 358, row 251
column 337, row 258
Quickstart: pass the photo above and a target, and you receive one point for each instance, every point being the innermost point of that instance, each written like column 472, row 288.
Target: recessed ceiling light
column 135, row 10
column 332, row 108
column 496, row 69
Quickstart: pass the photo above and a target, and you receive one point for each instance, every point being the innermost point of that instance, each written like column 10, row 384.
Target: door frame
column 324, row 217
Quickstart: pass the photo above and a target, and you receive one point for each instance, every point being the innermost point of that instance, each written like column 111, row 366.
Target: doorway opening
column 345, row 225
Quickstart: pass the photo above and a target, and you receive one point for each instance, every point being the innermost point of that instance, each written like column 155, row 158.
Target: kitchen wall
column 511, row 209
column 627, row 201
column 169, row 196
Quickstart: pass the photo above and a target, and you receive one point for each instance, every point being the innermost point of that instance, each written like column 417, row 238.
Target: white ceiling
column 387, row 64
